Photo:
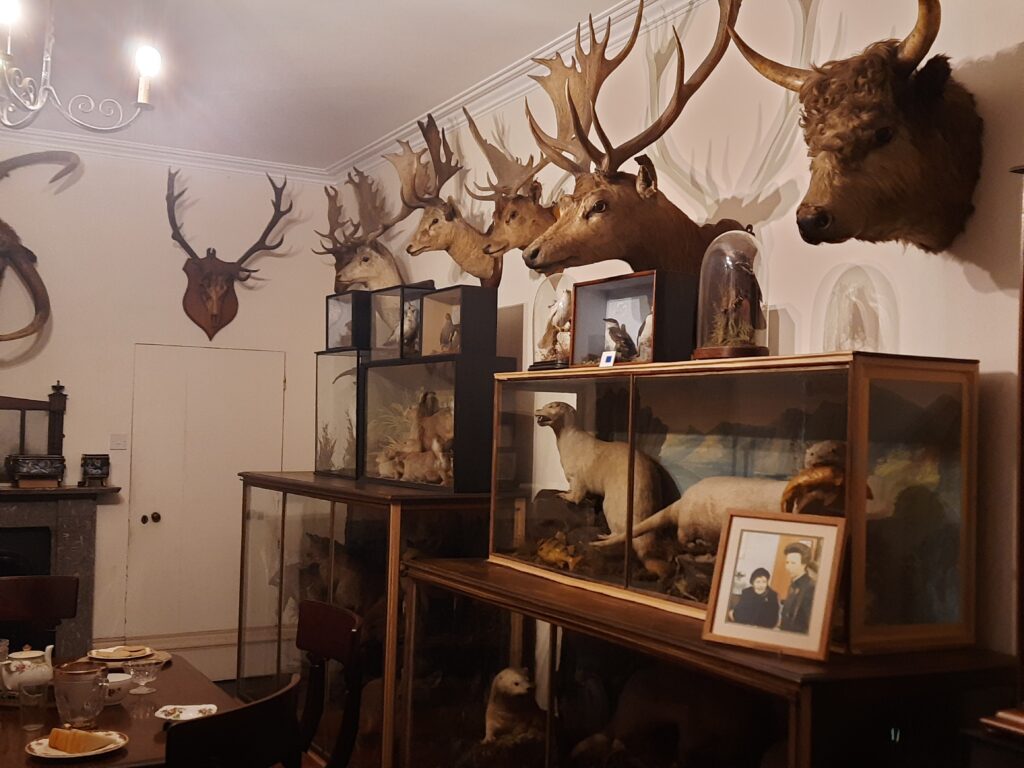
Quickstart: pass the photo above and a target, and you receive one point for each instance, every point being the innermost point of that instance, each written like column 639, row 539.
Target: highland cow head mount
column 210, row 300
column 895, row 150
column 20, row 259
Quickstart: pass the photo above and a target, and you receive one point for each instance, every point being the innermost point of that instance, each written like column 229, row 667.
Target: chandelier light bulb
column 147, row 60
column 10, row 12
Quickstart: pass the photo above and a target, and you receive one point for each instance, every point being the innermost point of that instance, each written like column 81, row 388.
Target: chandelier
column 23, row 97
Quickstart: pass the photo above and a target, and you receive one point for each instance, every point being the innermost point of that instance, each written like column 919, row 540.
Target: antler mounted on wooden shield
column 612, row 214
column 442, row 227
column 210, row 300
column 20, row 259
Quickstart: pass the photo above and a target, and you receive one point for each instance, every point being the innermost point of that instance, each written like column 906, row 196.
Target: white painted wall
column 115, row 277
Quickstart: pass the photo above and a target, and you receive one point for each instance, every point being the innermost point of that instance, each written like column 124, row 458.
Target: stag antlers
column 511, row 174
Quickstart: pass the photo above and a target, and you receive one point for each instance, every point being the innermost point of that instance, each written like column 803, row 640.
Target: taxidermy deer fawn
column 895, row 150
column 612, row 214
column 442, row 227
column 19, row 258
column 210, row 300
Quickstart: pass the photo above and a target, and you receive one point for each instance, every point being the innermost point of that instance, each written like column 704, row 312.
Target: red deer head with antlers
column 210, row 300
column 895, row 150
column 19, row 258
column 612, row 214
column 442, row 227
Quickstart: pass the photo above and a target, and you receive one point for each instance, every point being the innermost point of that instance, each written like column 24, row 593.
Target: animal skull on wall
column 20, row 259
column 210, row 300
column 895, row 150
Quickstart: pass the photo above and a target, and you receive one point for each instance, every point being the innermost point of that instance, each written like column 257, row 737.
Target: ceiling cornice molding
column 511, row 83
column 120, row 149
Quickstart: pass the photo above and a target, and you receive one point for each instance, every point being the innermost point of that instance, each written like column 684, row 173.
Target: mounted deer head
column 519, row 217
column 210, row 300
column 895, row 150
column 19, row 258
column 612, row 214
column 442, row 227
column 360, row 258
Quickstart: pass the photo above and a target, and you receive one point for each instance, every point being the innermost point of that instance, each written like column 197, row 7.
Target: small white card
column 607, row 359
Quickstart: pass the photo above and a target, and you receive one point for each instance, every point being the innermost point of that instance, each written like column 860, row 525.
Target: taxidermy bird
column 617, row 338
column 645, row 340
column 447, row 332
column 561, row 310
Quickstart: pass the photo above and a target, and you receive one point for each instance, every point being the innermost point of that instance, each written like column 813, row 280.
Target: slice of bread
column 74, row 741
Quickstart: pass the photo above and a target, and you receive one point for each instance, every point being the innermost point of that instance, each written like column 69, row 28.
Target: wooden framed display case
column 442, row 331
column 608, row 670
column 626, row 312
column 306, row 536
column 339, row 395
column 32, row 427
column 348, row 320
column 427, row 423
column 658, row 454
column 395, row 321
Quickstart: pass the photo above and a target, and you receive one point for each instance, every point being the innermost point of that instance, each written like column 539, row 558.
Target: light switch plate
column 119, row 442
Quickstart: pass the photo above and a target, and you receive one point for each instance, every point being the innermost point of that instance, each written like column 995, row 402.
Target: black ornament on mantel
column 95, row 470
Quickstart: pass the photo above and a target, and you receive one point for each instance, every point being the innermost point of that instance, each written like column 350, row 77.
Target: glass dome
column 731, row 315
column 552, row 321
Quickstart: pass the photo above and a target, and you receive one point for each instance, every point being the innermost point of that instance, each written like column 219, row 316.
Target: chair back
column 327, row 632
column 258, row 735
column 38, row 600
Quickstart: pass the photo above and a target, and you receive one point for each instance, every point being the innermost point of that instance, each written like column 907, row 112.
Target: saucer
column 41, row 747
column 185, row 711
column 121, row 653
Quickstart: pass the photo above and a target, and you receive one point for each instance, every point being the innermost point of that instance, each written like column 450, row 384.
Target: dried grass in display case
column 338, row 394
column 886, row 441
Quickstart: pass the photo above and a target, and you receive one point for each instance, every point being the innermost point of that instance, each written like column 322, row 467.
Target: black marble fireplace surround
column 69, row 515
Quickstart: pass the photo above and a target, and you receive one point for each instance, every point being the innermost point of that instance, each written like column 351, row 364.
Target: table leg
column 387, row 752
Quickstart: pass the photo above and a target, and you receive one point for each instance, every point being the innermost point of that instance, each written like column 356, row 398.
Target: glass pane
column 732, row 441
column 37, row 426
column 10, row 434
column 562, row 464
column 915, row 513
column 261, row 588
column 386, row 323
column 337, row 377
column 442, row 323
column 339, row 321
column 410, row 431
column 467, row 654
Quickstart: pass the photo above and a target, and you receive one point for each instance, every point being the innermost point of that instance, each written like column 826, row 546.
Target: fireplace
column 53, row 531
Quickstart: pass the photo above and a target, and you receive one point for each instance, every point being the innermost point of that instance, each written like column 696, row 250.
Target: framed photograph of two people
column 775, row 582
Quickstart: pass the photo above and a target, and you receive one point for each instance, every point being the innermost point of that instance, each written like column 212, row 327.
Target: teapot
column 27, row 667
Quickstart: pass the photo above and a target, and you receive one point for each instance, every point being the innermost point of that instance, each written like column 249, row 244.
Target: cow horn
column 21, row 260
column 780, row 74
column 915, row 46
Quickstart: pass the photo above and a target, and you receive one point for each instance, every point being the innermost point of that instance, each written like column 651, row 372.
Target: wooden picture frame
column 770, row 542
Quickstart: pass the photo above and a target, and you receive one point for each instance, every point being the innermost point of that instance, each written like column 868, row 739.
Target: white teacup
column 118, row 684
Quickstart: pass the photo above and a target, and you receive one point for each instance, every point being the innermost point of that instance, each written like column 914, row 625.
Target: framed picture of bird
column 642, row 317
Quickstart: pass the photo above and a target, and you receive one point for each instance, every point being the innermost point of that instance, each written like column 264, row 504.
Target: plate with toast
column 65, row 744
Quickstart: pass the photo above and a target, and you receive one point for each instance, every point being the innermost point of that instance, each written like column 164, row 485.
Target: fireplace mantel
column 70, row 514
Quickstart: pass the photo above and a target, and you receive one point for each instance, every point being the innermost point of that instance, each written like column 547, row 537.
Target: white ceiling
column 300, row 82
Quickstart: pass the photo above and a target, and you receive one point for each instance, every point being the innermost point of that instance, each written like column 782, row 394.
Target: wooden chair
column 258, row 735
column 40, row 601
column 327, row 632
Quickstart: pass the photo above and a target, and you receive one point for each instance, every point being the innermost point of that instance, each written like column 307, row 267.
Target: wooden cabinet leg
column 800, row 730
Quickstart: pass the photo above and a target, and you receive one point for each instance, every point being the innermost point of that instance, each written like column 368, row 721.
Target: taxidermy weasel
column 511, row 707
column 703, row 508
column 601, row 468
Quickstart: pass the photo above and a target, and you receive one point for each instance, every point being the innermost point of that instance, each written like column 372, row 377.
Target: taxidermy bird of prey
column 617, row 338
column 447, row 332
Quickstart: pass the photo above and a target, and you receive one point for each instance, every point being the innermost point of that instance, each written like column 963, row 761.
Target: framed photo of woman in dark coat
column 775, row 582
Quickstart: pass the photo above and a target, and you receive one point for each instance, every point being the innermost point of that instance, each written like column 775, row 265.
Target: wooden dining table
column 178, row 683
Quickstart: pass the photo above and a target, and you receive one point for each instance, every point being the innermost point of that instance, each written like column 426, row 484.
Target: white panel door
column 199, row 416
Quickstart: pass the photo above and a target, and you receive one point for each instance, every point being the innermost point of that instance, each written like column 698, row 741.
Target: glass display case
column 338, row 394
column 395, row 321
column 732, row 320
column 442, row 330
column 309, row 537
column 348, row 320
column 428, row 423
column 655, row 456
column 552, row 323
column 623, row 315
